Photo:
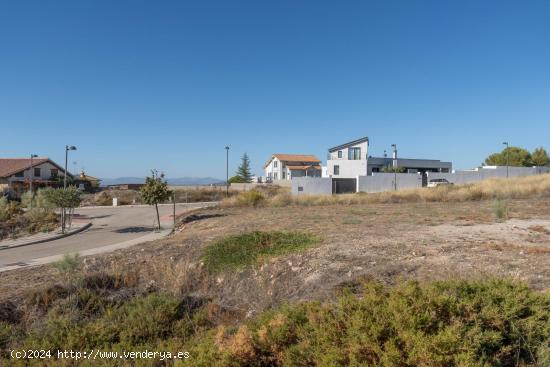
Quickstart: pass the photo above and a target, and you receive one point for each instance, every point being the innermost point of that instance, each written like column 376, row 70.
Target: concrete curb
column 53, row 238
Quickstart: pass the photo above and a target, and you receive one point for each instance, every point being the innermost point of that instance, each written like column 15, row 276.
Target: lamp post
column 67, row 148
column 30, row 172
column 394, row 156
column 227, row 171
column 507, row 157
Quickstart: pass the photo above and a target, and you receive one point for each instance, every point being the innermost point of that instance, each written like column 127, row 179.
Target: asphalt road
column 112, row 228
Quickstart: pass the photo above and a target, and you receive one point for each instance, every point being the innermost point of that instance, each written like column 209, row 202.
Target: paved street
column 113, row 227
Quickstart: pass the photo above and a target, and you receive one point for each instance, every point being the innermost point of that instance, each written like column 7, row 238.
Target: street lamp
column 227, row 171
column 394, row 156
column 30, row 171
column 507, row 157
column 67, row 148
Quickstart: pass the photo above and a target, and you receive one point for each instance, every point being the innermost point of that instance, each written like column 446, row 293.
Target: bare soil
column 424, row 241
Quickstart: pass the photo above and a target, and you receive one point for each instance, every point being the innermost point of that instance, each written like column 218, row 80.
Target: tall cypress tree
column 244, row 169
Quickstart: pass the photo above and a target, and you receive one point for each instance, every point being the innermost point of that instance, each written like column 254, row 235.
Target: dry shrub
column 44, row 297
column 490, row 189
column 176, row 278
column 239, row 345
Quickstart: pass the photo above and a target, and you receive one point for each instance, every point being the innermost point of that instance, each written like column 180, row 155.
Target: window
column 284, row 175
column 300, row 188
column 275, row 164
column 354, row 154
column 37, row 172
column 54, row 172
column 336, row 170
column 375, row 169
column 20, row 174
column 339, row 154
column 275, row 176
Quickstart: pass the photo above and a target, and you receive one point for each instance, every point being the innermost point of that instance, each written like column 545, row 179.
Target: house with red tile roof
column 286, row 166
column 17, row 174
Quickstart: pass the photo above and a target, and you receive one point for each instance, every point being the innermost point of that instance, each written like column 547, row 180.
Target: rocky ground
column 425, row 241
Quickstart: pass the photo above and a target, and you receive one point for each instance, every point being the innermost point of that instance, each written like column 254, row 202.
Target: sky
column 137, row 85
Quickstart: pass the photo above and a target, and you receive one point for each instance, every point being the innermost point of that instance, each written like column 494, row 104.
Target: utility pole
column 63, row 213
column 394, row 147
column 31, row 173
column 507, row 158
column 227, row 171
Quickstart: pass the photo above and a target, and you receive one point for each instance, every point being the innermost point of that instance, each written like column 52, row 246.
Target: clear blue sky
column 167, row 84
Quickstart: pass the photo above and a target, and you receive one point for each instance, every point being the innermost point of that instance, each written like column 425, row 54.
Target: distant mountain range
column 183, row 181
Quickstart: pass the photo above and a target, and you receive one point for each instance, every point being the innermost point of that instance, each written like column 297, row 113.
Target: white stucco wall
column 270, row 169
column 348, row 168
column 45, row 173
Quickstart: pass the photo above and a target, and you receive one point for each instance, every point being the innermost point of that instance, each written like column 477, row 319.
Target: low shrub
column 442, row 324
column 445, row 324
column 250, row 198
column 500, row 209
column 239, row 251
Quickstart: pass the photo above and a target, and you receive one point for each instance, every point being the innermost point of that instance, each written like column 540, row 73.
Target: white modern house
column 351, row 160
column 348, row 160
column 287, row 166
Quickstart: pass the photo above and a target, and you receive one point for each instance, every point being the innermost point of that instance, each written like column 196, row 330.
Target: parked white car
column 438, row 182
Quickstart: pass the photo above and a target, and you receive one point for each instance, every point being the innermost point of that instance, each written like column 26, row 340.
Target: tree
column 244, row 169
column 236, row 179
column 540, row 157
column 511, row 156
column 64, row 199
column 391, row 169
column 155, row 191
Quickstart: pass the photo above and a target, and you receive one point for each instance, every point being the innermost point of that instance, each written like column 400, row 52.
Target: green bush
column 500, row 209
column 445, row 324
column 250, row 198
column 239, row 251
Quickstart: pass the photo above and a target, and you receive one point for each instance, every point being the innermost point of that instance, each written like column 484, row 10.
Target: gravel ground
column 424, row 241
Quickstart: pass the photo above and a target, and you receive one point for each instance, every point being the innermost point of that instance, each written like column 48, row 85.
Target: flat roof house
column 351, row 160
column 16, row 174
column 286, row 166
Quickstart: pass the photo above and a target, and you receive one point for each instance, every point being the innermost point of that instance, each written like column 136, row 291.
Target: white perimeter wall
column 379, row 182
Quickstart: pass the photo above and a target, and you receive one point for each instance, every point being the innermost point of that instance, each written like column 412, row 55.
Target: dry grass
column 490, row 189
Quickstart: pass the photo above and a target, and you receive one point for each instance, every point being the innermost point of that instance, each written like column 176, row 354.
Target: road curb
column 63, row 235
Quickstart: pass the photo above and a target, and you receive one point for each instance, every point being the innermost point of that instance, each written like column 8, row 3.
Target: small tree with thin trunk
column 64, row 199
column 244, row 169
column 155, row 191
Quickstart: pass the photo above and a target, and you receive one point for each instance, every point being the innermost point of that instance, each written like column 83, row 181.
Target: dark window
column 20, row 174
column 54, row 172
column 300, row 188
column 274, row 164
column 375, row 169
column 354, row 154
column 284, row 175
column 339, row 154
column 37, row 172
column 336, row 170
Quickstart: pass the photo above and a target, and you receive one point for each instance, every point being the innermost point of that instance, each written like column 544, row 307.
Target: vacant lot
column 424, row 241
column 216, row 286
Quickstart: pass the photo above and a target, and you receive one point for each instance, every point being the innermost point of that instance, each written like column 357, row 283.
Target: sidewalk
column 77, row 226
